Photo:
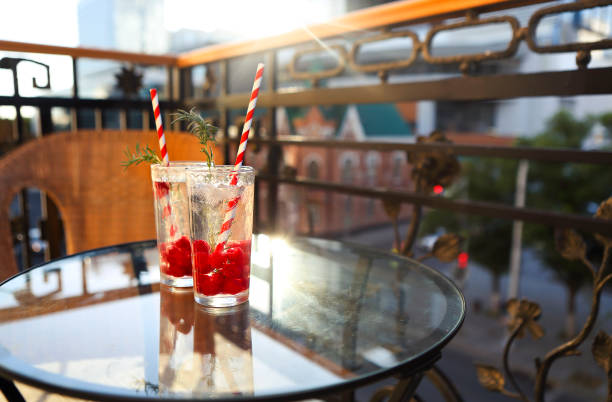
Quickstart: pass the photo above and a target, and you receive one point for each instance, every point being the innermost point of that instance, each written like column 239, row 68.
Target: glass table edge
column 93, row 251
column 430, row 355
column 436, row 274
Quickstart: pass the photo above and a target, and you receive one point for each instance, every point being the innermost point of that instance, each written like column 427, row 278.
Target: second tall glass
column 221, row 264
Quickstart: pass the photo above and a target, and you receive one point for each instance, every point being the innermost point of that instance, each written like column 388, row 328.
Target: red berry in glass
column 172, row 223
column 161, row 189
column 209, row 284
column 230, row 264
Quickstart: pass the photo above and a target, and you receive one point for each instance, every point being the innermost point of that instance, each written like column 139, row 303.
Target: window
column 347, row 173
column 396, row 171
column 372, row 168
column 313, row 170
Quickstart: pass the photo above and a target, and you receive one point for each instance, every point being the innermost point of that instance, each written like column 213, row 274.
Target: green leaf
column 201, row 128
column 139, row 156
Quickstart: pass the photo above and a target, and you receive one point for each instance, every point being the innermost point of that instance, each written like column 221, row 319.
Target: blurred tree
column 569, row 188
column 562, row 187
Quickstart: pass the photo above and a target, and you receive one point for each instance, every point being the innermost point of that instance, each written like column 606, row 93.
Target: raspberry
column 169, row 269
column 187, row 271
column 232, row 270
column 200, row 262
column 161, row 189
column 235, row 255
column 183, row 243
column 201, row 245
column 219, row 248
column 209, row 284
column 217, row 259
column 233, row 285
column 179, row 260
column 245, row 245
column 173, row 255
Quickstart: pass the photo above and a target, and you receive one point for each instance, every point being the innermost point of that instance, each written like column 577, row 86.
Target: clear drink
column 221, row 266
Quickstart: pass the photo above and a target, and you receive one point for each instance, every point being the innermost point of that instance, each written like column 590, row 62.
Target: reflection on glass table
column 203, row 351
column 323, row 317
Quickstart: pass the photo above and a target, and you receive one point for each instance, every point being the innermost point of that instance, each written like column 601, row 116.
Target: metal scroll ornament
column 10, row 63
column 426, row 50
column 337, row 51
column 383, row 68
column 465, row 60
column 524, row 315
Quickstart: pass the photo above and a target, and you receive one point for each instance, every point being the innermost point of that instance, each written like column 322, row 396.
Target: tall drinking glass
column 221, row 264
column 172, row 222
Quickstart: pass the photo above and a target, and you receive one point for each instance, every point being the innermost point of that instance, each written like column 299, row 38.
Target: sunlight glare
column 261, row 251
column 244, row 18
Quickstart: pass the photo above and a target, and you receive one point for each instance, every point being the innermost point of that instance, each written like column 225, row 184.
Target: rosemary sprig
column 140, row 155
column 201, row 128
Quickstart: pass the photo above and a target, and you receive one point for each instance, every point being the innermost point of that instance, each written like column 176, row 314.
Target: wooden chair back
column 100, row 202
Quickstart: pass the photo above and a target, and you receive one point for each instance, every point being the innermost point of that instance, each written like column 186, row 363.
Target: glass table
column 324, row 317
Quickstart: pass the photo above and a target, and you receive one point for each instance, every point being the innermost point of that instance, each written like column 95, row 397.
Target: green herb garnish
column 201, row 128
column 140, row 155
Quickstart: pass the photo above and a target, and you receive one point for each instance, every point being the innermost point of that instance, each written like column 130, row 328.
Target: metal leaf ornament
column 129, row 81
column 602, row 351
column 392, row 207
column 490, row 377
column 525, row 313
column 447, row 247
column 431, row 168
column 604, row 212
column 570, row 244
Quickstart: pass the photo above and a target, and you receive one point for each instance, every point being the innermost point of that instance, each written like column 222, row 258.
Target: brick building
column 306, row 211
column 303, row 210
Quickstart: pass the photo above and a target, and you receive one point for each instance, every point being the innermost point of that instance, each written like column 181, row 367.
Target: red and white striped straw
column 164, row 154
column 230, row 212
column 160, row 127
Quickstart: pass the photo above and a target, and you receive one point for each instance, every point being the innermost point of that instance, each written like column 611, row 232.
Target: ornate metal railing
column 417, row 23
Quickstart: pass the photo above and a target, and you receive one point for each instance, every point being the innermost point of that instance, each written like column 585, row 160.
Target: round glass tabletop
column 322, row 316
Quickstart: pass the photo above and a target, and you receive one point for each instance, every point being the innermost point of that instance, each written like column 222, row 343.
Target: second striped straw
column 230, row 212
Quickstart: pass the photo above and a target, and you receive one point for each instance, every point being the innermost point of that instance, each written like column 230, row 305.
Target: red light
column 438, row 189
column 462, row 260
